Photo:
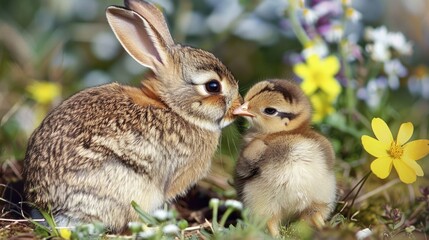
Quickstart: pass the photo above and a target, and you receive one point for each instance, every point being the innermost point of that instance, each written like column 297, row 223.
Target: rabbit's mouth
column 230, row 116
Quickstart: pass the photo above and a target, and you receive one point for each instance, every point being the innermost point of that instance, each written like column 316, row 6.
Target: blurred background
column 50, row 49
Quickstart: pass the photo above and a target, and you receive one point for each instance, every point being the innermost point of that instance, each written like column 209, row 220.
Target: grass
column 390, row 209
column 61, row 53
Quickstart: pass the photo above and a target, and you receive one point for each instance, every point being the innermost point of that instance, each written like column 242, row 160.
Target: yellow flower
column 65, row 233
column 322, row 107
column 397, row 153
column 44, row 92
column 319, row 74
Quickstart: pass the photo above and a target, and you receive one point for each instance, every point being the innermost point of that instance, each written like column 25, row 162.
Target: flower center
column 395, row 150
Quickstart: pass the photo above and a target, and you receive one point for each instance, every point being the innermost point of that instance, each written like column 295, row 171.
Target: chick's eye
column 270, row 111
column 213, row 86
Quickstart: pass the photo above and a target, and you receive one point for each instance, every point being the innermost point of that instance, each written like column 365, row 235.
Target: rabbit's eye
column 213, row 86
column 270, row 111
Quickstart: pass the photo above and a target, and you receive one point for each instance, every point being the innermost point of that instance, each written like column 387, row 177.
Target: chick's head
column 276, row 105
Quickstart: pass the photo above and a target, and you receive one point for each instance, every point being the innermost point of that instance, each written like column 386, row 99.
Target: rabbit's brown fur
column 109, row 145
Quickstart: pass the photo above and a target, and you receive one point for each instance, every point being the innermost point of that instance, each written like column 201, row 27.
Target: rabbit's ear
column 153, row 15
column 141, row 40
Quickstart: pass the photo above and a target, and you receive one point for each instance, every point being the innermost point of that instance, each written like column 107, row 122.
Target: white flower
column 327, row 7
column 162, row 215
column 419, row 86
column 394, row 70
column 214, row 202
column 379, row 51
column 373, row 92
column 316, row 48
column 379, row 34
column 364, row 233
column 398, row 42
column 335, row 33
column 171, row 229
column 309, row 15
column 234, row 204
column 148, row 233
column 383, row 41
column 134, row 226
column 352, row 14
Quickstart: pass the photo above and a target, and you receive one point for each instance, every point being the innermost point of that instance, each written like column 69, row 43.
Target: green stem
column 350, row 94
column 225, row 216
column 214, row 218
column 360, row 184
column 296, row 25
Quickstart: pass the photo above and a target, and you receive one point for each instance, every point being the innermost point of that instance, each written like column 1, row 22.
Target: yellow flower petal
column 416, row 149
column 321, row 107
column 382, row 167
column 381, row 131
column 44, row 92
column 405, row 133
column 65, row 233
column 332, row 65
column 301, row 70
column 415, row 166
column 374, row 147
column 308, row 87
column 406, row 173
column 313, row 60
column 332, row 88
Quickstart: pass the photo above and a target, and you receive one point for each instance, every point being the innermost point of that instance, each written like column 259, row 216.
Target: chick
column 285, row 169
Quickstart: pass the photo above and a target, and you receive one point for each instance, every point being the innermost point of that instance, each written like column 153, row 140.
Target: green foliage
column 69, row 44
column 46, row 231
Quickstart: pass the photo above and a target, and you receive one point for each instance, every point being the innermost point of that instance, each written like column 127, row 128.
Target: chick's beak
column 243, row 111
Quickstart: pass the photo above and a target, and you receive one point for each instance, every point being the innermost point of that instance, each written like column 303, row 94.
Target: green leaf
column 51, row 222
column 144, row 216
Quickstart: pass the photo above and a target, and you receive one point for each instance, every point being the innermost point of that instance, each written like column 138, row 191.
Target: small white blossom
column 353, row 15
column 327, row 7
column 316, row 48
column 379, row 34
column 379, row 51
column 394, row 70
column 383, row 40
column 214, row 202
column 134, row 226
column 162, row 215
column 419, row 86
column 335, row 33
column 148, row 233
column 398, row 42
column 234, row 204
column 310, row 17
column 373, row 92
column 171, row 229
column 364, row 233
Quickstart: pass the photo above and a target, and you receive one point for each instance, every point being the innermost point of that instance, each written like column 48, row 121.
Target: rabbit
column 285, row 169
column 109, row 145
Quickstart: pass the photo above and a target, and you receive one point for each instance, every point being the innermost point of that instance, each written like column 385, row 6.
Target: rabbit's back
column 101, row 149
